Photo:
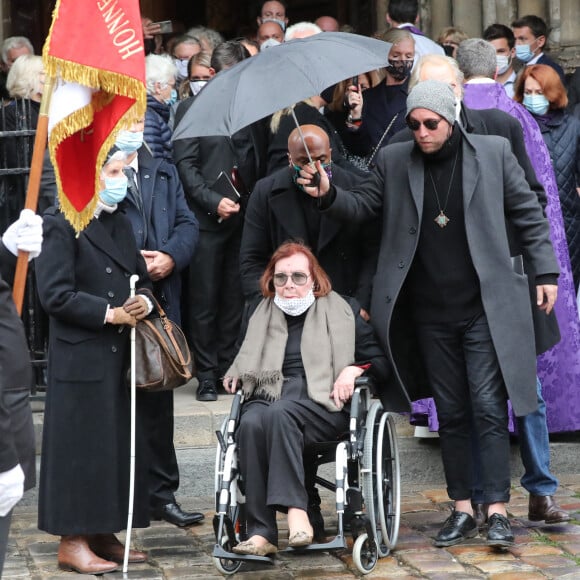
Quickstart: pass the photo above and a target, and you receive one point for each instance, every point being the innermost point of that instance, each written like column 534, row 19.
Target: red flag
column 95, row 50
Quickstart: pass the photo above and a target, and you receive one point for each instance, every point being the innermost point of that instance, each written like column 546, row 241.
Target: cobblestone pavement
column 540, row 551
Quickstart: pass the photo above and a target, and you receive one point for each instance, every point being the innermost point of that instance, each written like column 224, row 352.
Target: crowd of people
column 422, row 225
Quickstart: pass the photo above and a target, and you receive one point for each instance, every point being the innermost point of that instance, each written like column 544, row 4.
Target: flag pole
column 33, row 186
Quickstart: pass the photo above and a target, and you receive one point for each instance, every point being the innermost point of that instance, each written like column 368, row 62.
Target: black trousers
column 271, row 439
column 4, row 531
column 213, row 302
column 465, row 378
column 156, row 416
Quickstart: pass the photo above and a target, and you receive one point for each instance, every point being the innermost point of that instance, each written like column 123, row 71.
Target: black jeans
column 465, row 377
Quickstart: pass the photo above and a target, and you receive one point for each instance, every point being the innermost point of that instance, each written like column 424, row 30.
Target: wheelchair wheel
column 388, row 480
column 380, row 472
column 224, row 565
column 365, row 554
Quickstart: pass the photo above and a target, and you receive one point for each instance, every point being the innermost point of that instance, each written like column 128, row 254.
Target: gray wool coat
column 494, row 190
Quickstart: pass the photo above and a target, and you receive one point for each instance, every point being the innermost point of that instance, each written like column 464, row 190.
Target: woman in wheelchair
column 303, row 349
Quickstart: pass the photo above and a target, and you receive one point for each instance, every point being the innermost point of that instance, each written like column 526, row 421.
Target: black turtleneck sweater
column 443, row 281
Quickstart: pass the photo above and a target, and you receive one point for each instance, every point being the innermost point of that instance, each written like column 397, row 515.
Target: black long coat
column 347, row 251
column 16, row 428
column 84, row 477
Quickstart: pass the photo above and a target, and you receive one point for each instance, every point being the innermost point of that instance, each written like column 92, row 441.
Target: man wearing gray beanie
column 448, row 308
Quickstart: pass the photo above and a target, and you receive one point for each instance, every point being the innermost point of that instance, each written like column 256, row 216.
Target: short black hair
column 497, row 31
column 227, row 54
column 534, row 23
column 403, row 10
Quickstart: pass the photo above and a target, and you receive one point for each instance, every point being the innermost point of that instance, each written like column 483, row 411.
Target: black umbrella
column 277, row 78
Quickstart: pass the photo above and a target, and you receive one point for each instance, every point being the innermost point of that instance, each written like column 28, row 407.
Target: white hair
column 300, row 27
column 23, row 81
column 158, row 69
column 15, row 42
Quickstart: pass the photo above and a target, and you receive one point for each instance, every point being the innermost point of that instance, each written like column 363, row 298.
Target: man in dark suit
column 447, row 305
column 214, row 301
column 279, row 210
column 166, row 232
column 531, row 34
column 17, row 447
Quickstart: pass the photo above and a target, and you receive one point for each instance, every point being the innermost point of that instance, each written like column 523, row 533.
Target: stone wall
column 562, row 16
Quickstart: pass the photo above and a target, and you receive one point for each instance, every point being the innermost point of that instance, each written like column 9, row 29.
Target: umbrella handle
column 132, row 283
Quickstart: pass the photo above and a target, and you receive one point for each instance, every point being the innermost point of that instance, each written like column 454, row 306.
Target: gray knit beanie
column 435, row 96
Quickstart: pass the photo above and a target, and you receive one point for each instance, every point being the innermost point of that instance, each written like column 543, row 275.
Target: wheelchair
column 367, row 483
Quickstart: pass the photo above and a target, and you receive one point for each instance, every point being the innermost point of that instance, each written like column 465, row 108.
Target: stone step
column 196, row 423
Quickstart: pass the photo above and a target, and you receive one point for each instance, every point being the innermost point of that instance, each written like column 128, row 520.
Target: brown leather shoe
column 544, row 508
column 74, row 554
column 107, row 546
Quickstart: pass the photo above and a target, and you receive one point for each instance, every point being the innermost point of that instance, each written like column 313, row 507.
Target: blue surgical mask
column 196, row 86
column 536, row 104
column 503, row 63
column 172, row 98
column 524, row 52
column 115, row 190
column 129, row 141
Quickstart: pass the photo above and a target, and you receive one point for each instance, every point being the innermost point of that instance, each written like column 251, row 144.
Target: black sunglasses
column 299, row 278
column 430, row 124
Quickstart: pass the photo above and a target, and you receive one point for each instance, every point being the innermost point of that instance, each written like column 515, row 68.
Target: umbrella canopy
column 277, row 78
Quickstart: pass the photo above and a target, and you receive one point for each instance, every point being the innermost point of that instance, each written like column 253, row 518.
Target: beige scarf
column 327, row 346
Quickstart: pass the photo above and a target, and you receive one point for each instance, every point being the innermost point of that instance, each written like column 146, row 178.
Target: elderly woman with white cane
column 83, row 283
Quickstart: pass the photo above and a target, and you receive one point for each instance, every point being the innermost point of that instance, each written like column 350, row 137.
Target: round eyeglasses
column 299, row 278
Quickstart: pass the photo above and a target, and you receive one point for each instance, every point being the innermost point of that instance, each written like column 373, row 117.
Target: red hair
column 322, row 285
column 550, row 82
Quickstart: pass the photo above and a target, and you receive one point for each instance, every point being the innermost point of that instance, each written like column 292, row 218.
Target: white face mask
column 503, row 63
column 196, row 86
column 280, row 22
column 295, row 306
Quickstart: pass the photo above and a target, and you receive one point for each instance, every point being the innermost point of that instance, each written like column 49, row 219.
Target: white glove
column 24, row 234
column 11, row 489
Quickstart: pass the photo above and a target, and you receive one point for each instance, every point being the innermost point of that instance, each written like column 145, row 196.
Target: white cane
column 132, row 282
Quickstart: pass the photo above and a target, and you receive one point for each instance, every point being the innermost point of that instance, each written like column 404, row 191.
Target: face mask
column 172, row 98
column 296, row 169
column 129, row 141
column 181, row 65
column 295, row 306
column 269, row 43
column 536, row 104
column 524, row 52
column 196, row 86
column 115, row 190
column 400, row 69
column 503, row 63
column 280, row 22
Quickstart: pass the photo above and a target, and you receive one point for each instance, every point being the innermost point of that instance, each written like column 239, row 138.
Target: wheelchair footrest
column 219, row 552
column 337, row 543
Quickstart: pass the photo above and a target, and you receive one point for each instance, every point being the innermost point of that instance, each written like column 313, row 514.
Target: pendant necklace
column 441, row 219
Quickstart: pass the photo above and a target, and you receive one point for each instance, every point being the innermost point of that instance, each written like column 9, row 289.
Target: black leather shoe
column 207, row 391
column 544, row 508
column 457, row 527
column 499, row 531
column 173, row 514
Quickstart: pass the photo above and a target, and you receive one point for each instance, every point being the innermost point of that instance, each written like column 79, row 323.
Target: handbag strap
column 378, row 145
column 168, row 327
